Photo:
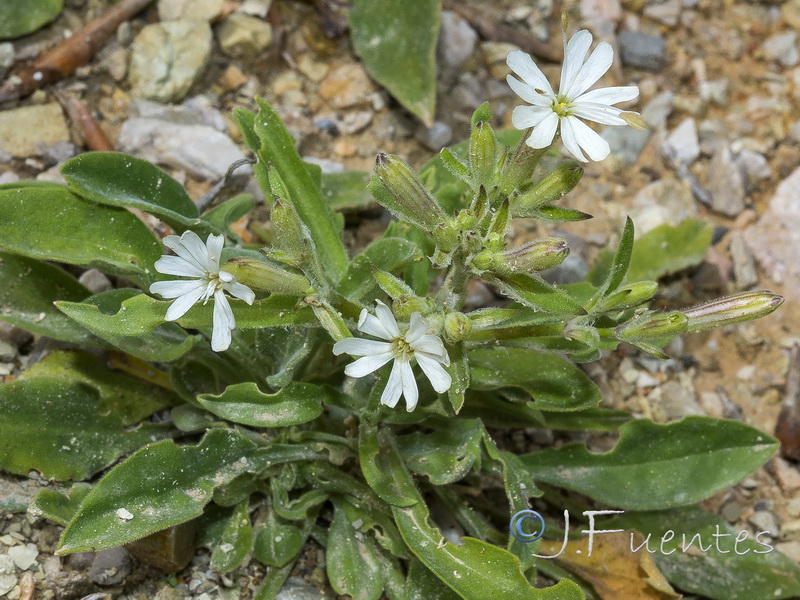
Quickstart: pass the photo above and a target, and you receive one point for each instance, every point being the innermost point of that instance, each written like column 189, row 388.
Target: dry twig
column 787, row 429
column 93, row 136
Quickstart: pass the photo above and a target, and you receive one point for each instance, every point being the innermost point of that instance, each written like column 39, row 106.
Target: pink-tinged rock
column 775, row 237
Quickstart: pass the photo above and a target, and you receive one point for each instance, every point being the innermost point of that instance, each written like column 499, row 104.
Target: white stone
column 683, row 143
column 24, row 131
column 24, row 556
column 204, row 10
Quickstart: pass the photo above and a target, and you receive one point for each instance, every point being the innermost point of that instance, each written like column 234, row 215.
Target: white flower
column 572, row 102
column 415, row 343
column 200, row 261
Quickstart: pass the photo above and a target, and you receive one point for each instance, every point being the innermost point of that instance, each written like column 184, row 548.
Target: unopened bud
column 329, row 318
column 520, row 166
column 267, row 276
column 653, row 326
column 634, row 119
column 482, row 154
column 585, row 334
column 732, row 309
column 406, row 304
column 629, row 296
column 531, row 257
column 290, row 232
column 399, row 190
column 548, row 189
column 457, row 326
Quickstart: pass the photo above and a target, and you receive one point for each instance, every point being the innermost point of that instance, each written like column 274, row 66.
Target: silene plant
column 248, row 399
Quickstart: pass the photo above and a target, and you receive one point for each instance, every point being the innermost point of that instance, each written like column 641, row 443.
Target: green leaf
column 123, row 180
column 658, row 466
column 60, row 429
column 347, row 191
column 475, row 567
column 552, row 382
column 665, row 250
column 235, row 541
column 142, row 334
column 278, row 541
column 56, row 506
column 382, row 466
column 123, row 395
column 244, row 403
column 20, row 17
column 54, row 224
column 396, row 40
column 445, row 455
column 287, row 348
column 229, row 211
column 26, row 298
column 533, row 291
column 424, row 585
column 386, row 254
column 724, row 569
column 277, row 148
column 459, row 372
column 353, row 566
column 619, row 264
column 161, row 485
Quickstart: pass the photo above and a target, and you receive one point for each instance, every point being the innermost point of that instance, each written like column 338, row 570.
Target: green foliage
column 397, row 42
column 19, row 17
column 296, row 438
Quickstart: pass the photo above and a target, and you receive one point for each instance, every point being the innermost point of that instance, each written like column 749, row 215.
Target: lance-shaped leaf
column 52, row 223
column 26, row 298
column 244, row 403
column 658, row 466
column 235, row 542
column 159, row 486
column 278, row 540
column 396, row 40
column 383, row 467
column 386, row 254
column 475, row 567
column 121, row 394
column 552, row 382
column 58, row 507
column 229, row 211
column 718, row 562
column 533, row 291
column 277, row 147
column 123, row 180
column 619, row 264
column 353, row 566
column 347, row 191
column 424, row 585
column 60, row 429
column 445, row 455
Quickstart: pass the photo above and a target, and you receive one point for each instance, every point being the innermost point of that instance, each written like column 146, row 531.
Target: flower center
column 401, row 349
column 561, row 107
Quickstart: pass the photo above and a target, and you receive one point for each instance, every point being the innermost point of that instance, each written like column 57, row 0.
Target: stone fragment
column 24, row 556
column 744, row 265
column 457, row 40
column 764, row 520
column 666, row 201
column 782, row 48
column 167, row 58
column 775, row 237
column 788, row 478
column 347, row 86
column 27, row 130
column 244, row 36
column 642, row 51
column 95, row 281
column 8, row 577
column 204, row 10
column 494, row 57
column 682, row 143
column 667, row 13
column 198, row 149
column 6, row 58
column 435, row 137
column 726, row 183
column 110, row 567
column 601, row 16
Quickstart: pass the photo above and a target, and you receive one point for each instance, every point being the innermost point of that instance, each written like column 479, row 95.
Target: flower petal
column 223, row 323
column 192, row 248
column 360, row 347
column 394, row 387
column 239, row 290
column 175, row 265
column 367, row 364
column 430, row 344
column 527, row 93
column 574, row 55
column 439, row 378
column 599, row 113
column 175, row 289
column 410, row 389
column 569, row 140
column 589, row 140
column 524, row 117
column 183, row 303
column 610, row 95
column 522, row 64
column 544, row 133
column 371, row 325
column 417, row 328
column 214, row 245
column 593, row 69
column 385, row 316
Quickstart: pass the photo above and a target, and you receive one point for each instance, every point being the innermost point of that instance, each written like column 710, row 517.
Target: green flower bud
column 629, row 296
column 548, row 189
column 457, row 326
column 653, row 326
column 290, row 232
column 267, row 276
column 329, row 318
column 520, row 167
column 405, row 305
column 399, row 190
column 732, row 309
column 482, row 154
column 529, row 258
